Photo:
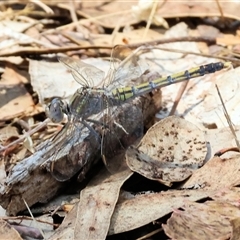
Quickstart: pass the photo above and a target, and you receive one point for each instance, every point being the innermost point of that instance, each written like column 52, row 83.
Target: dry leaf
column 8, row 132
column 46, row 77
column 230, row 195
column 142, row 12
column 235, row 228
column 210, row 220
column 8, row 232
column 3, row 174
column 212, row 111
column 91, row 219
column 67, row 228
column 115, row 13
column 145, row 208
column 170, row 151
column 15, row 99
column 217, row 173
column 96, row 206
column 221, row 138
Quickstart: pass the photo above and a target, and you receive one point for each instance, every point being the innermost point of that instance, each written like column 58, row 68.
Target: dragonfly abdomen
column 129, row 92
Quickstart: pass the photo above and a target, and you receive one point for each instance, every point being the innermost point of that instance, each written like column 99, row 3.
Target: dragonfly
column 101, row 101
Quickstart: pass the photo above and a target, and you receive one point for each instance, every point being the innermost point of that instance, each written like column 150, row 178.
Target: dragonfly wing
column 69, row 149
column 85, row 74
column 124, row 125
column 126, row 67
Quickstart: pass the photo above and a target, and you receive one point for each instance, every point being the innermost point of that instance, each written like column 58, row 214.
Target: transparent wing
column 85, row 74
column 123, row 125
column 68, row 152
column 126, row 67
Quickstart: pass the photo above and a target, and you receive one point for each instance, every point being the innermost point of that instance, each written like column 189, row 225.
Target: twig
column 27, row 134
column 220, row 10
column 153, row 11
column 42, row 5
column 178, row 97
column 28, row 218
column 34, row 220
column 147, row 236
column 92, row 19
column 228, row 118
column 29, row 51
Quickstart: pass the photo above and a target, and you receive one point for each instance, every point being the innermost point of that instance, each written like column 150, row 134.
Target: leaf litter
column 169, row 152
column 166, row 159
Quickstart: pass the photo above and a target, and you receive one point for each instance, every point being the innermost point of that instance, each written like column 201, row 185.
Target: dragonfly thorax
column 88, row 101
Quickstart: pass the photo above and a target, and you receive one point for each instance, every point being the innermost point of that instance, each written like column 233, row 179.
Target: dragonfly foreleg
column 91, row 129
column 120, row 126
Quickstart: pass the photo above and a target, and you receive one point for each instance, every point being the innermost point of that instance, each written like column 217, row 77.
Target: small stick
column 228, row 118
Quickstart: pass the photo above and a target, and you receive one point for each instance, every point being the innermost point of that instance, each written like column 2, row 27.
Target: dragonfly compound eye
column 54, row 110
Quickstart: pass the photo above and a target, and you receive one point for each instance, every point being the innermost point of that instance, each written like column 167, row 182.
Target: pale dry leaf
column 221, row 138
column 15, row 26
column 14, row 98
column 212, row 111
column 46, row 77
column 228, row 39
column 230, row 195
column 16, row 60
column 90, row 218
column 146, row 208
column 131, row 36
column 165, row 58
column 10, row 31
column 170, row 151
column 3, row 173
column 14, row 38
column 207, row 31
column 142, row 11
column 2, row 212
column 199, row 8
column 7, row 132
column 8, row 232
column 28, row 144
column 97, row 203
column 18, row 106
column 67, row 228
column 22, row 152
column 111, row 13
column 210, row 220
column 224, row 208
column 217, row 173
column 13, row 74
column 235, row 228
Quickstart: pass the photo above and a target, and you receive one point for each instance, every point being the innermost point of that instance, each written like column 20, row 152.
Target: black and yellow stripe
column 129, row 92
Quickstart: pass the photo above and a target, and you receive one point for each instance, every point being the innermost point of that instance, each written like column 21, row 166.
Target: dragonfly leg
column 91, row 129
column 105, row 125
column 97, row 122
column 121, row 127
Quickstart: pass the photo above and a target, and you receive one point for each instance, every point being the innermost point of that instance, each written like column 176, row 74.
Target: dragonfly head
column 56, row 110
